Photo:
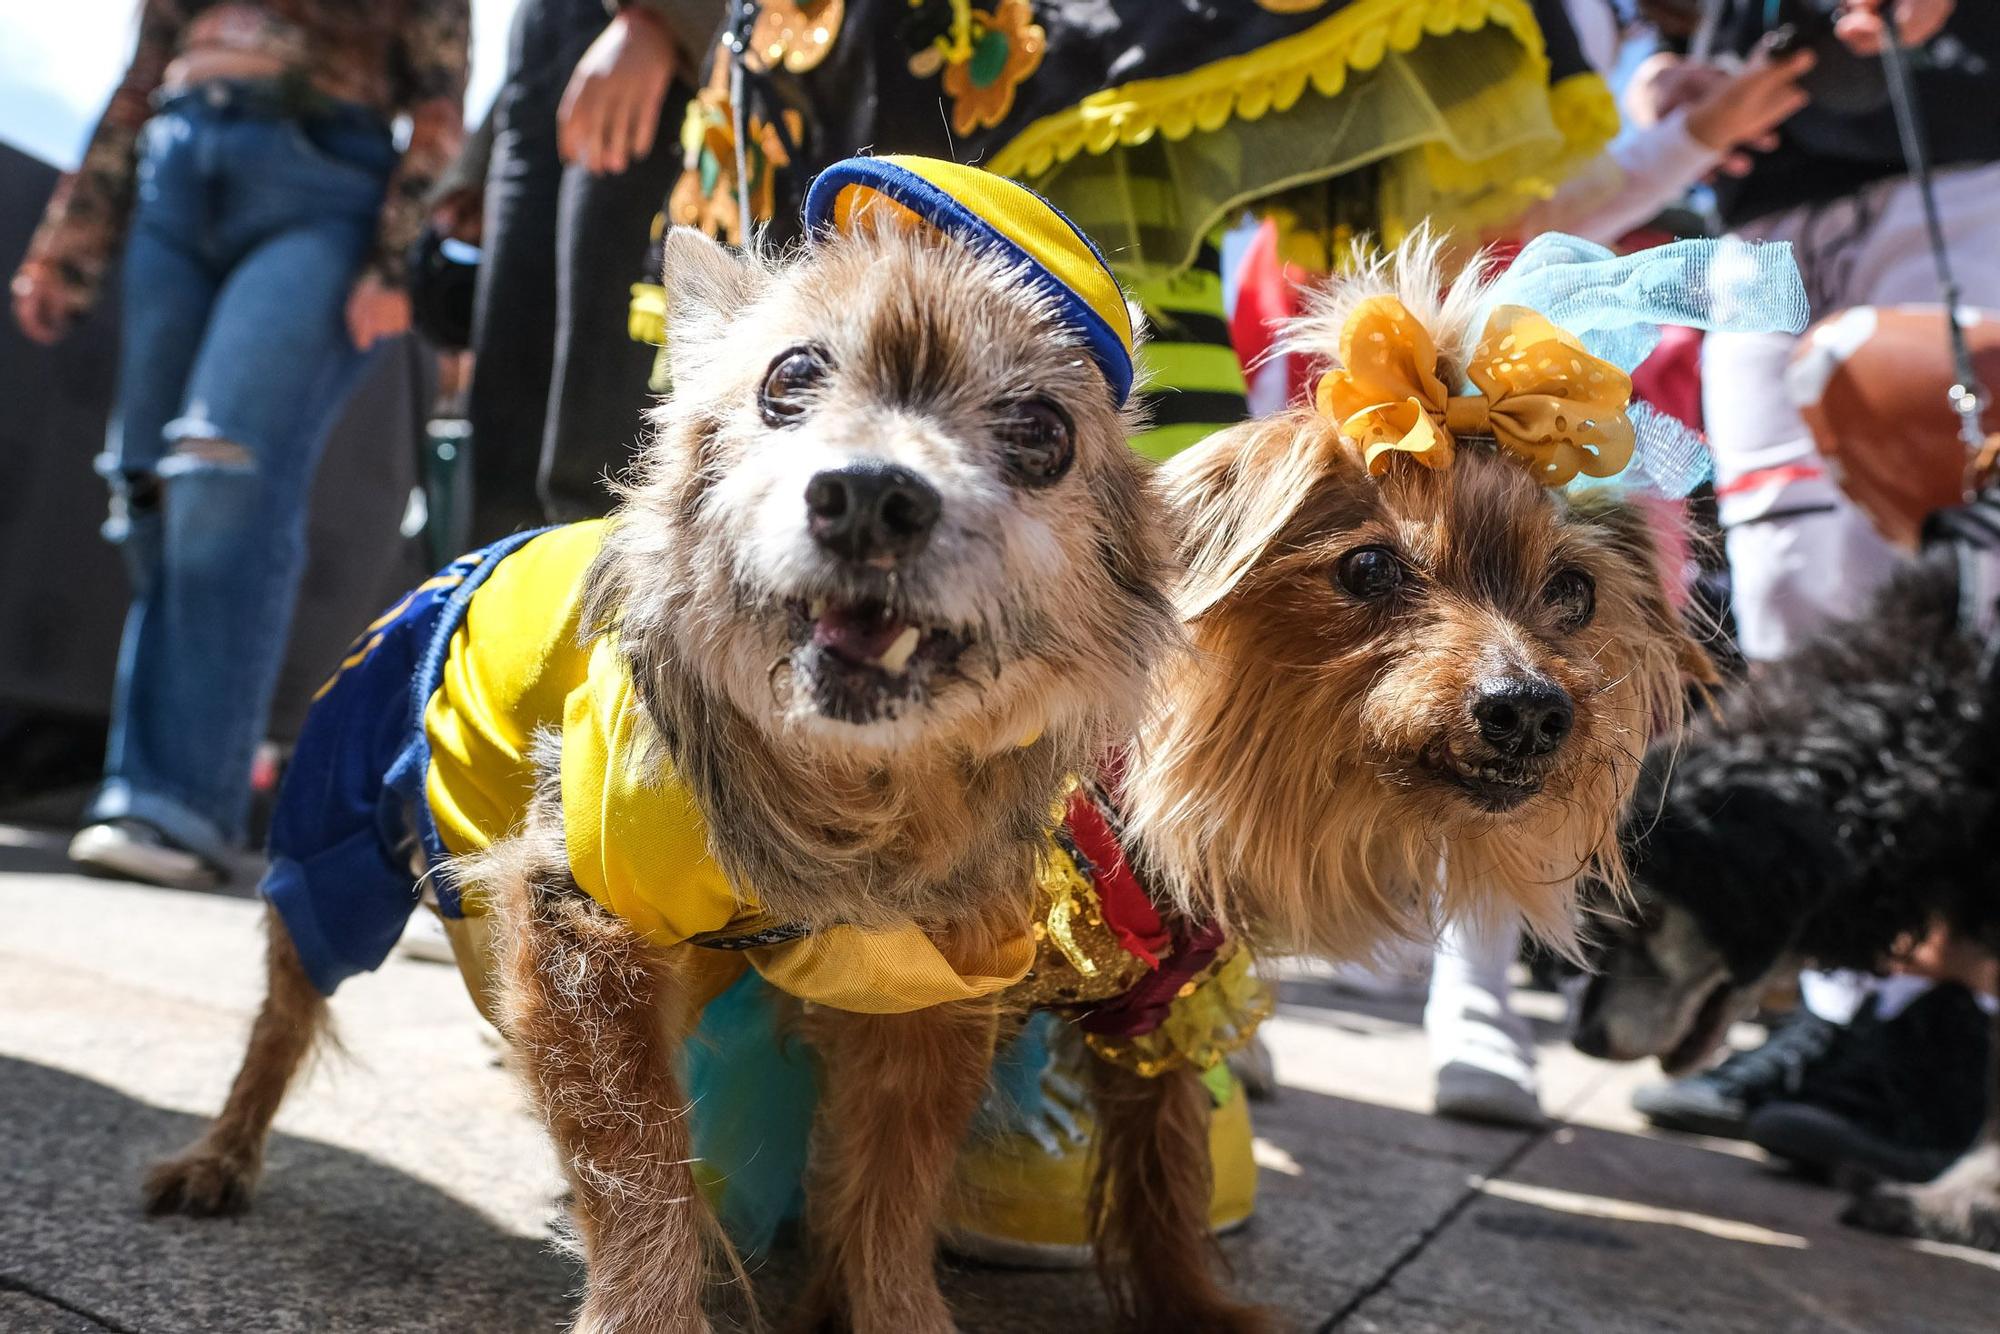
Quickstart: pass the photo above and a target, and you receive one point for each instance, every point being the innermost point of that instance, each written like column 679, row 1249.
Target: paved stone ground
column 407, row 1191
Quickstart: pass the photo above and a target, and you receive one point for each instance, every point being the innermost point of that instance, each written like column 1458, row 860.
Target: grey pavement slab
column 408, row 1190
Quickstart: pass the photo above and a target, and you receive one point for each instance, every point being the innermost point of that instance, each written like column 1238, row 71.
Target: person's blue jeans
column 248, row 232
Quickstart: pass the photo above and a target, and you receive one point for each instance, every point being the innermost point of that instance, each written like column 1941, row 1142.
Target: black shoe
column 1719, row 1101
column 1898, row 1098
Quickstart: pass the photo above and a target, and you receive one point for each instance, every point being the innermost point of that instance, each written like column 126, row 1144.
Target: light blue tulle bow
column 1616, row 304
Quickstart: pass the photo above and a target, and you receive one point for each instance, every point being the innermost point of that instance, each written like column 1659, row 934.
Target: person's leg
column 1800, row 553
column 596, row 412
column 274, row 363
column 514, row 305
column 169, row 286
column 1481, row 1051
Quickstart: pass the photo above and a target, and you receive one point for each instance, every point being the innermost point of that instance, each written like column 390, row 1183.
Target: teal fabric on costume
column 1615, row 305
column 753, row 1089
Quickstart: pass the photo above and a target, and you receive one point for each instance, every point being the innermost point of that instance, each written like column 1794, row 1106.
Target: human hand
column 1672, row 18
column 375, row 311
column 1744, row 110
column 1860, row 24
column 1666, row 82
column 461, row 214
column 611, row 108
column 41, row 307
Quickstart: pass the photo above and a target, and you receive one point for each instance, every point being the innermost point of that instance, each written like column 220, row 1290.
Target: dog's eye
column 1040, row 442
column 1574, row 596
column 1370, row 573
column 788, row 385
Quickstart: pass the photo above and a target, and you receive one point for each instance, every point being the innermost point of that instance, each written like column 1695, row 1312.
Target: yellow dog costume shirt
column 421, row 740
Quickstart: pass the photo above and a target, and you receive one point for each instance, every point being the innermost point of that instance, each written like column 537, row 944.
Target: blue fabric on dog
column 351, row 814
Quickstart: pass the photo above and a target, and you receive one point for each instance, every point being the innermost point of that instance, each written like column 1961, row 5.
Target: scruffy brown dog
column 887, row 576
column 1448, row 665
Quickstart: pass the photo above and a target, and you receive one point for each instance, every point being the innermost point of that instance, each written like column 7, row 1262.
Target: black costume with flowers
column 1149, row 122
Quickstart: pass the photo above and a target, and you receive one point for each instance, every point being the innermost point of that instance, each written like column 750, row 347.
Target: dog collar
column 995, row 214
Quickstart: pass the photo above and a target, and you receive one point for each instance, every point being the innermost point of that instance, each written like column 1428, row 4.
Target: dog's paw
column 1961, row 1207
column 201, row 1183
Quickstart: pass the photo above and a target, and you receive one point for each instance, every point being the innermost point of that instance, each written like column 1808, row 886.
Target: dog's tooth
column 817, row 609
column 897, row 656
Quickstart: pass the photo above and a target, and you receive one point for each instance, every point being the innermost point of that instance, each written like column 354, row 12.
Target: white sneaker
column 135, row 851
column 1484, row 1057
column 1467, row 1092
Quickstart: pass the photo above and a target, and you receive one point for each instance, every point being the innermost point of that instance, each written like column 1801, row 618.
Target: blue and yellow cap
column 994, row 213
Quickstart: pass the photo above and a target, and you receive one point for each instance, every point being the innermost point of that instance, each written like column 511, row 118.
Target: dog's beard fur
column 1296, row 780
column 920, row 801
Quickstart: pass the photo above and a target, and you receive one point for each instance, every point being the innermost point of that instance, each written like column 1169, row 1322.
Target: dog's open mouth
column 1493, row 785
column 863, row 658
column 1704, row 1034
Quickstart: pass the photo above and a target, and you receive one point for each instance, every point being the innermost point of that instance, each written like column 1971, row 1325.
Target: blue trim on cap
column 928, row 201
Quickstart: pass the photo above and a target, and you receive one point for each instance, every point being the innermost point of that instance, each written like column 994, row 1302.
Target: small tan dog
column 1395, row 669
column 887, row 577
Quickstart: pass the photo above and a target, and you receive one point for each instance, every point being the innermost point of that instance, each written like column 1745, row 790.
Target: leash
column 1974, row 548
column 1968, row 396
column 738, row 42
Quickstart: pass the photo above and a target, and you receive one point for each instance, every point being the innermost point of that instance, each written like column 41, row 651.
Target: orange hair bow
column 1540, row 395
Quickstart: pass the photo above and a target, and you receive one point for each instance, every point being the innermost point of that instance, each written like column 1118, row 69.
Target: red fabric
column 1669, row 521
column 1267, row 297
column 1750, row 481
column 1176, row 953
column 1128, row 910
column 1144, row 1008
column 1670, row 379
column 1263, row 302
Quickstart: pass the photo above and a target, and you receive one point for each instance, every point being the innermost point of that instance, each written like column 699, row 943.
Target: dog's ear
column 706, row 281
column 1642, row 532
column 1237, row 491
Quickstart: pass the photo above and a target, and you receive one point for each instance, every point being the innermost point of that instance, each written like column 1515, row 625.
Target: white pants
column 1801, row 553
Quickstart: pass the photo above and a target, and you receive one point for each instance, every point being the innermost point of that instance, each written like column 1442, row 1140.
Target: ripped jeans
column 249, row 230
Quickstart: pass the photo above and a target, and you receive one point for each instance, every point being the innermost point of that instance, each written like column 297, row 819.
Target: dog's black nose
column 1522, row 716
column 871, row 511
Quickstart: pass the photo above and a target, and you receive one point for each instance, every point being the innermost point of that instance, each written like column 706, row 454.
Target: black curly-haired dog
column 1833, row 804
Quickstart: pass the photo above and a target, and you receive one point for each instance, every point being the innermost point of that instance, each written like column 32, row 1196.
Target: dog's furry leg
column 1149, row 1205
column 899, row 1094
column 216, row 1173
column 1963, row 1204
column 595, row 1017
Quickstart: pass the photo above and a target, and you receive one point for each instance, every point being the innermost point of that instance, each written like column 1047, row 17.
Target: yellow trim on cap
column 1018, row 215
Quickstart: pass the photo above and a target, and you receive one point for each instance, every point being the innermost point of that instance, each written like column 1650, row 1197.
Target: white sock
column 1834, row 996
column 1467, row 1017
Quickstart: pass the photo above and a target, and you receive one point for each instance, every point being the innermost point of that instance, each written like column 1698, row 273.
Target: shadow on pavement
column 336, row 1241
column 38, row 848
column 1317, row 1001
column 1398, row 1221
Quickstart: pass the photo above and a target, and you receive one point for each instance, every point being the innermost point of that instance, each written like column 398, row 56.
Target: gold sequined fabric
column 1215, row 1013
column 1080, row 961
column 1077, row 958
